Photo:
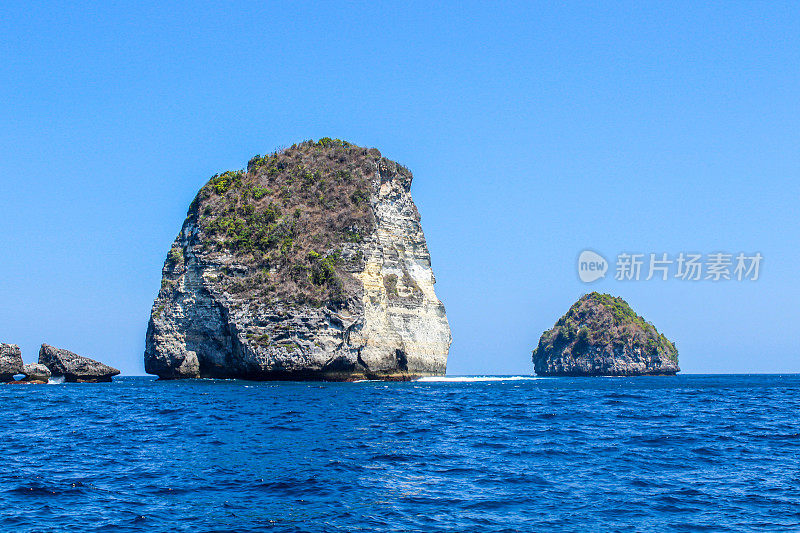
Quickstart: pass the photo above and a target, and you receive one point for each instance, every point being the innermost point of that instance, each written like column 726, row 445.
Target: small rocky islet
column 53, row 362
column 310, row 264
column 601, row 335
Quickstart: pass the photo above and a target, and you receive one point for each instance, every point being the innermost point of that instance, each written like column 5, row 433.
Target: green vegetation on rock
column 175, row 256
column 291, row 214
column 604, row 326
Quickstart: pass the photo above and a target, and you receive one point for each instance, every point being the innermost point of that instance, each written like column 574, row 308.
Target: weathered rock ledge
column 53, row 362
column 74, row 368
column 36, row 372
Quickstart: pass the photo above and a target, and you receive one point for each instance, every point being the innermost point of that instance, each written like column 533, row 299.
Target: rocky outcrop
column 602, row 336
column 310, row 264
column 36, row 372
column 74, row 368
column 10, row 362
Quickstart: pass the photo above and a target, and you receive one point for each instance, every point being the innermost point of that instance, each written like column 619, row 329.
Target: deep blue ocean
column 686, row 453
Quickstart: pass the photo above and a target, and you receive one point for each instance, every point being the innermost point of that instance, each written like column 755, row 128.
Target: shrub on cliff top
column 310, row 197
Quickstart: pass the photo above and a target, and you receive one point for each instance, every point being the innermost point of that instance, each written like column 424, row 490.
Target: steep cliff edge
column 309, row 264
column 602, row 336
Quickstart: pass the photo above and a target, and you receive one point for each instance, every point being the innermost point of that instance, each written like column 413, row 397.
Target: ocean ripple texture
column 686, row 453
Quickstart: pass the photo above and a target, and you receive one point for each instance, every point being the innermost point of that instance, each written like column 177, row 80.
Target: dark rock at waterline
column 602, row 336
column 10, row 362
column 36, row 372
column 73, row 367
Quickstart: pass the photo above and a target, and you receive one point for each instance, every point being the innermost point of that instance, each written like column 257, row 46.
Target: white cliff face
column 405, row 325
column 389, row 324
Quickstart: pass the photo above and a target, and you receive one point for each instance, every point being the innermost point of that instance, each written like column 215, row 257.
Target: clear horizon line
column 535, row 376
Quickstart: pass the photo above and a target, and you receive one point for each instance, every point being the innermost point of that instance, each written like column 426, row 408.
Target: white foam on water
column 464, row 379
column 56, row 381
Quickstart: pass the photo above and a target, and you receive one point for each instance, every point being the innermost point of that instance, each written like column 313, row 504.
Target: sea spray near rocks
column 310, row 264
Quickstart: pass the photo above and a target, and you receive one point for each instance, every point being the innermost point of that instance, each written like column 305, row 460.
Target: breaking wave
column 468, row 379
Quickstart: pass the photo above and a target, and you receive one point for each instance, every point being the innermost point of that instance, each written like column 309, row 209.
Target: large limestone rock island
column 602, row 336
column 310, row 264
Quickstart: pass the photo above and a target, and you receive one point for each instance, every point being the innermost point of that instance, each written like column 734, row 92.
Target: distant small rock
column 10, row 362
column 74, row 368
column 36, row 372
column 602, row 336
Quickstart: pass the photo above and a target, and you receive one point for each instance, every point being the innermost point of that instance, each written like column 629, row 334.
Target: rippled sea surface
column 713, row 453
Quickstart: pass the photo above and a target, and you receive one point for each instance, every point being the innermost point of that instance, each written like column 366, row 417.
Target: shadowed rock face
column 74, row 368
column 309, row 265
column 602, row 336
column 10, row 362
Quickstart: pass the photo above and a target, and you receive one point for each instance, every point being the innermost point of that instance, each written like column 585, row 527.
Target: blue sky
column 534, row 131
